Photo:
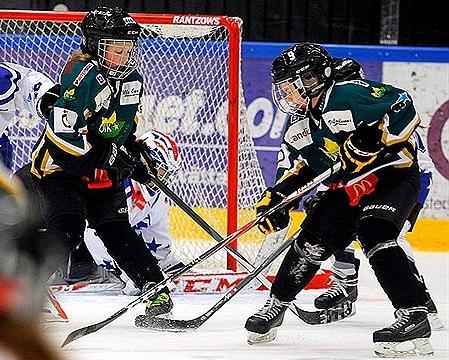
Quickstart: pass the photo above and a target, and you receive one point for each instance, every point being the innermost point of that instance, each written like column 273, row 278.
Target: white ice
column 223, row 335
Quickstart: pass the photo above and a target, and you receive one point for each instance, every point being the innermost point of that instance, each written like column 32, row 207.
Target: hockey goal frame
column 233, row 25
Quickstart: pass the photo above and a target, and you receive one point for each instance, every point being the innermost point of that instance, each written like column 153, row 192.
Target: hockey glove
column 46, row 102
column 133, row 146
column 141, row 172
column 119, row 164
column 276, row 221
column 353, row 157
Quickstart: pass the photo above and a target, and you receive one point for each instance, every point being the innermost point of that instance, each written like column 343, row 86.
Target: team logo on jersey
column 110, row 127
column 69, row 95
column 401, row 102
column 378, row 92
column 330, row 148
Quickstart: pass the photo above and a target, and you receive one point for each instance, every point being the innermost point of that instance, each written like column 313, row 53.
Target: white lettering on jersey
column 130, row 92
column 82, row 74
column 339, row 120
column 102, row 98
column 298, row 134
column 64, row 120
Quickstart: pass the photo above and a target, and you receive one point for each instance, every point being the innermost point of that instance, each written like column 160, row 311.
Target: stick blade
column 340, row 312
column 75, row 335
column 162, row 324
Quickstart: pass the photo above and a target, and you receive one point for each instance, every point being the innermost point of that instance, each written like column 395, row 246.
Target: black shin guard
column 300, row 264
column 130, row 252
column 390, row 264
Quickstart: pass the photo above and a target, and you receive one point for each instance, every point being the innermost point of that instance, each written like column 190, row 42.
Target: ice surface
column 223, row 335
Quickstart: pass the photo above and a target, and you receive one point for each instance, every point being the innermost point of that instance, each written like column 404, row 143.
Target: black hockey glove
column 312, row 200
column 276, row 221
column 141, row 172
column 46, row 102
column 133, row 146
column 119, row 164
column 360, row 149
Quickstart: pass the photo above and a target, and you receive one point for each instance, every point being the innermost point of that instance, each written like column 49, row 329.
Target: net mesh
column 186, row 84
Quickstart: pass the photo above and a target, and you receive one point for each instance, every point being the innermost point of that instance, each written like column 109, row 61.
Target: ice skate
column 262, row 326
column 343, row 289
column 407, row 336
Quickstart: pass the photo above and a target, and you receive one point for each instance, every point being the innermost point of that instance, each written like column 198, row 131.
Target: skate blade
column 435, row 322
column 415, row 347
column 256, row 338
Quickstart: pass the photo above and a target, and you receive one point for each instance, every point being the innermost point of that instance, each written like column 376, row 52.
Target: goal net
column 192, row 91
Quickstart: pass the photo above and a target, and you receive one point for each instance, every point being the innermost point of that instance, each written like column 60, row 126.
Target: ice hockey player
column 345, row 265
column 78, row 163
column 370, row 128
column 148, row 209
column 21, row 92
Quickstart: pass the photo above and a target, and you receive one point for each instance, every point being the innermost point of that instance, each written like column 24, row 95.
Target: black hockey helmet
column 346, row 69
column 106, row 26
column 305, row 68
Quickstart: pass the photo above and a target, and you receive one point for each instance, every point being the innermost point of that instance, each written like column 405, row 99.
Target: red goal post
column 192, row 80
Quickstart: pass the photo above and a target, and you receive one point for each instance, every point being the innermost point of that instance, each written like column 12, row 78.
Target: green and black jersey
column 90, row 105
column 347, row 106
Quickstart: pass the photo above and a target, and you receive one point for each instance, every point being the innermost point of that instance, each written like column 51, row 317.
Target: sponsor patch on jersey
column 110, row 127
column 339, row 120
column 130, row 92
column 298, row 134
column 102, row 98
column 64, row 120
column 100, row 79
column 82, row 74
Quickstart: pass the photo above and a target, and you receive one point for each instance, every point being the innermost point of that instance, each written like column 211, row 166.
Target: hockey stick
column 309, row 317
column 163, row 324
column 76, row 334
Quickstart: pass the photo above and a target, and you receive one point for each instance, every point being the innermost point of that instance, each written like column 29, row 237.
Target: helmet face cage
column 111, row 35
column 290, row 96
column 118, row 57
column 164, row 151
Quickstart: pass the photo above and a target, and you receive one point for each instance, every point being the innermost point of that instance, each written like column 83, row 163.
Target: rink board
column 427, row 235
